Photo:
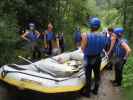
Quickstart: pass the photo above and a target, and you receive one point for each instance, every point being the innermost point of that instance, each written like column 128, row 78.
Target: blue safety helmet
column 32, row 24
column 118, row 31
column 95, row 22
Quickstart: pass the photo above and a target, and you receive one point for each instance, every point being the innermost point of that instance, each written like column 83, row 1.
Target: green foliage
column 128, row 73
column 128, row 93
column 8, row 38
column 128, row 17
column 8, row 27
column 7, row 52
column 128, row 24
column 111, row 18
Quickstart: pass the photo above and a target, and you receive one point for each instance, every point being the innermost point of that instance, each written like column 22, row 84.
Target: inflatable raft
column 58, row 74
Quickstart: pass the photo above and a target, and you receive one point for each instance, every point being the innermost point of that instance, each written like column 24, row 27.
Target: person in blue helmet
column 31, row 36
column 122, row 51
column 92, row 46
column 77, row 37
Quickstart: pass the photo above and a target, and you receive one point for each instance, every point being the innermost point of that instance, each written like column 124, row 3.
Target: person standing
column 50, row 38
column 110, row 46
column 77, row 38
column 92, row 46
column 122, row 51
column 31, row 36
column 60, row 41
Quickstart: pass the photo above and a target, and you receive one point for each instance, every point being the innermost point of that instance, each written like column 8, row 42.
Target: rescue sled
column 58, row 74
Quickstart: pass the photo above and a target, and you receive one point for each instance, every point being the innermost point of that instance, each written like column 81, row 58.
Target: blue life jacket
column 60, row 37
column 50, row 36
column 61, row 40
column 119, row 51
column 32, row 36
column 77, row 36
column 96, row 43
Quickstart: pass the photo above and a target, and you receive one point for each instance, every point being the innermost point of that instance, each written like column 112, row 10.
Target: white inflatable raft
column 62, row 73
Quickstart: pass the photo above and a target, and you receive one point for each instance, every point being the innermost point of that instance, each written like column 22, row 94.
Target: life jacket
column 61, row 39
column 77, row 36
column 32, row 36
column 50, row 36
column 119, row 51
column 96, row 43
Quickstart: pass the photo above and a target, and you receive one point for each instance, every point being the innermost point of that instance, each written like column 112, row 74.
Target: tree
column 128, row 17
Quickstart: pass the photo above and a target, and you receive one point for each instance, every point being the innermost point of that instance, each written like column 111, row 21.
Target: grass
column 128, row 78
column 128, row 93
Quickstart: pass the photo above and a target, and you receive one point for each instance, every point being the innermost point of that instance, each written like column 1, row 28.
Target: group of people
column 92, row 45
column 51, row 44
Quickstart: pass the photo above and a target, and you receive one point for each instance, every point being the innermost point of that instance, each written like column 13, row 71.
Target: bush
column 128, row 73
column 8, row 38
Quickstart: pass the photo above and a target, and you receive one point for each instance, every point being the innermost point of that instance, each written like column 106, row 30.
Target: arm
column 44, row 39
column 38, row 33
column 83, row 41
column 113, row 40
column 23, row 36
column 127, row 49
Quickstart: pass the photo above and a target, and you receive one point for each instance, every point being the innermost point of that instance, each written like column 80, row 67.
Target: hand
column 125, row 58
column 108, row 53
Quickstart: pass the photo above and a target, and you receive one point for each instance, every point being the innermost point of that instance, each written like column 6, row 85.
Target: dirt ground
column 106, row 92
